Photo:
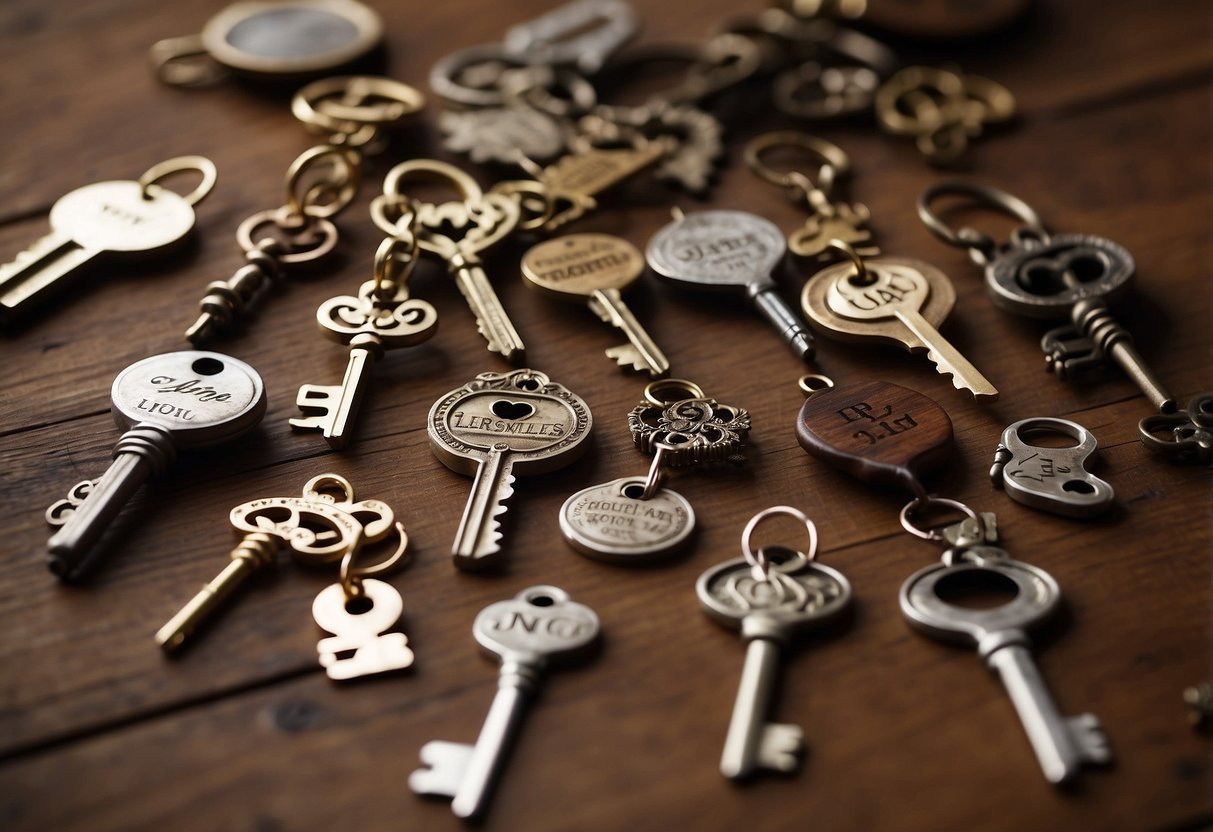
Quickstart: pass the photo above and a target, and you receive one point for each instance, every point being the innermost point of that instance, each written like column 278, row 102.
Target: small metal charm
column 697, row 428
column 360, row 646
column 1191, row 432
column 1052, row 479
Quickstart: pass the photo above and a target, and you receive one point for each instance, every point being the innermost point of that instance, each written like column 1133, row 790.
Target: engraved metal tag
column 611, row 522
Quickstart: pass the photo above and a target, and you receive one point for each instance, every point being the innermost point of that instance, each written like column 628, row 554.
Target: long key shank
column 491, row 319
column 947, row 359
column 641, row 351
column 795, row 334
column 752, row 742
column 38, row 269
column 1062, row 744
column 479, row 536
column 333, row 408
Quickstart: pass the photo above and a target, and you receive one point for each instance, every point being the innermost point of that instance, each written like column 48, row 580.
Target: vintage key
column 1052, row 479
column 730, row 251
column 321, row 527
column 494, row 427
column 594, row 268
column 768, row 603
column 537, row 628
column 1052, row 276
column 894, row 300
column 176, row 400
column 382, row 317
column 117, row 220
column 1062, row 744
column 458, row 232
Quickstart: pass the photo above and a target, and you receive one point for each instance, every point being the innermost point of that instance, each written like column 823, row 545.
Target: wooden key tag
column 879, row 432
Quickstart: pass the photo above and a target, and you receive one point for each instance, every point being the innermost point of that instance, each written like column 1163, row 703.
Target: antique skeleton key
column 495, row 426
column 382, row 317
column 538, row 628
column 116, row 220
column 769, row 603
column 1062, row 744
column 730, row 251
column 458, row 232
column 594, row 268
column 1051, row 276
column 176, row 400
column 894, row 300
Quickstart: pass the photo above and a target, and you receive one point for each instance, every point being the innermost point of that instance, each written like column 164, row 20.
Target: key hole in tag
column 1078, row 487
column 541, row 600
column 512, row 410
column 359, row 605
column 976, row 589
column 207, row 366
column 634, row 491
column 527, row 384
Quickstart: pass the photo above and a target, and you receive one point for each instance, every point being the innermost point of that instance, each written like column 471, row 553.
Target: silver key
column 459, row 232
column 594, row 268
column 537, row 628
column 897, row 301
column 730, row 251
column 369, row 325
column 118, row 219
column 769, row 604
column 176, row 400
column 493, row 426
column 1062, row 744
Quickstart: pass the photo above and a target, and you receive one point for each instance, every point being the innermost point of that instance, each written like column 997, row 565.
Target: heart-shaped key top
column 877, row 431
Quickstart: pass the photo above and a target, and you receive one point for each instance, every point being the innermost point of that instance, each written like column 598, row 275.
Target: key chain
column 636, row 519
column 893, row 300
column 1052, row 479
column 380, row 318
column 269, row 40
column 770, row 601
column 322, row 527
column 116, row 221
column 188, row 399
column 320, row 183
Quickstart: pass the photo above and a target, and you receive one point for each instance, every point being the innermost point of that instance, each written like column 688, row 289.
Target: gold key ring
column 334, row 104
column 339, row 187
column 666, row 391
column 835, row 163
column 351, row 578
column 985, row 196
column 181, row 164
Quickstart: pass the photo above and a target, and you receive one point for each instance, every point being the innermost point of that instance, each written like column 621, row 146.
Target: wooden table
column 244, row 731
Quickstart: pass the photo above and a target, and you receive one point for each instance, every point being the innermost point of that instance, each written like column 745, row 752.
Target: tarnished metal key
column 176, row 400
column 536, row 629
column 769, row 603
column 894, row 300
column 118, row 220
column 459, row 232
column 496, row 425
column 593, row 268
column 730, row 251
column 381, row 317
column 1062, row 744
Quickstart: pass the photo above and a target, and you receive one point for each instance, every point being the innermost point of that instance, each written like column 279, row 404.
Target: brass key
column 895, row 300
column 119, row 219
column 593, row 268
column 458, row 232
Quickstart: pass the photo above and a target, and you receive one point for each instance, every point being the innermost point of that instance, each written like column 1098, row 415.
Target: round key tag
column 612, row 522
column 580, row 264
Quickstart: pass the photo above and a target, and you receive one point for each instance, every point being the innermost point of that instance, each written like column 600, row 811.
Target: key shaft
column 947, row 358
column 142, row 451
column 339, row 404
column 39, row 270
column 491, row 318
column 478, row 539
column 795, row 334
column 608, row 304
column 748, row 725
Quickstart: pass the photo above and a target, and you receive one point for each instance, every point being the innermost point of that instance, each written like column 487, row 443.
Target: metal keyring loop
column 681, row 389
column 327, row 103
column 181, row 164
column 861, row 276
column 657, row 471
column 983, row 195
column 758, row 560
column 831, row 154
column 351, row 579
column 930, row 501
column 342, row 189
column 327, row 239
column 813, row 383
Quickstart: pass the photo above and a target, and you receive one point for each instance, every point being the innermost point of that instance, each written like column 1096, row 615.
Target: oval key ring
column 666, row 391
column 341, row 189
column 928, row 502
column 813, row 383
column 351, row 579
column 833, row 156
column 365, row 100
column 759, row 561
column 181, row 164
column 984, row 195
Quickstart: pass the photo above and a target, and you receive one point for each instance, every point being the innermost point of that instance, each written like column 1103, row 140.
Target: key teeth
column 1091, row 739
column 629, row 358
column 781, row 747
column 944, row 368
column 444, row 764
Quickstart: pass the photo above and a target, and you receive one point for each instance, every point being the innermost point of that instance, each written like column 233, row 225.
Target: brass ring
column 813, row 383
column 831, row 154
column 185, row 62
column 930, row 501
column 433, row 170
column 351, row 579
column 861, row 270
column 180, row 164
column 342, row 188
column 983, row 195
column 335, row 104
column 313, row 225
column 680, row 387
column 657, row 471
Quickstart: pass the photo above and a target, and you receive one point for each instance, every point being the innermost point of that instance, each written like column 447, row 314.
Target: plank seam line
column 1134, row 93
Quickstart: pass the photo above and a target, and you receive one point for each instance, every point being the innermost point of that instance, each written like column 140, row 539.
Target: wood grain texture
column 98, row 731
